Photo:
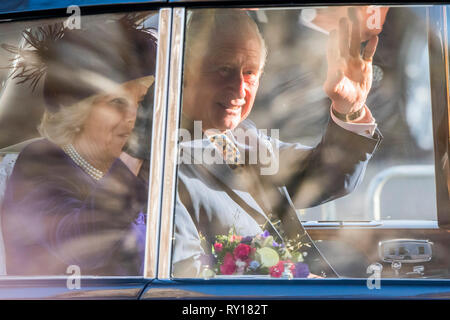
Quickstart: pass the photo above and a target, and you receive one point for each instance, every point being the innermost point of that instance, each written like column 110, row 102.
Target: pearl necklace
column 82, row 163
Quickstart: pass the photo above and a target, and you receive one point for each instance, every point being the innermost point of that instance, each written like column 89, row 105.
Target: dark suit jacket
column 212, row 198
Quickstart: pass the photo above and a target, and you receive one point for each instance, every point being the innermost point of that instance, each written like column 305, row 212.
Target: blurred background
column 291, row 98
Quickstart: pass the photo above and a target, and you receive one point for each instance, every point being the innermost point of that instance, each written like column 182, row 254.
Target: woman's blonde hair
column 62, row 126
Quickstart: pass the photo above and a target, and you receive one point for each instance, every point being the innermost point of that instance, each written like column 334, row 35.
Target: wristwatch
column 347, row 117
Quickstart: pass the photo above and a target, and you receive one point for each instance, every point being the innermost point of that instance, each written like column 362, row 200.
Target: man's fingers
column 344, row 37
column 333, row 47
column 355, row 41
column 339, row 75
column 333, row 78
column 370, row 49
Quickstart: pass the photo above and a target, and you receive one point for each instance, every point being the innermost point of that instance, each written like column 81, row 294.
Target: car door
column 22, row 110
column 388, row 238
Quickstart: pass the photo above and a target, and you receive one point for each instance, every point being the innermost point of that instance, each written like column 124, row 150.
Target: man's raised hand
column 349, row 77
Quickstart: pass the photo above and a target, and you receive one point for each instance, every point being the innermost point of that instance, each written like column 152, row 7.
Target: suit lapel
column 221, row 172
column 279, row 202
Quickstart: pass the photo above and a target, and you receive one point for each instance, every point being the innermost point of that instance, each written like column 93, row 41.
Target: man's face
column 222, row 79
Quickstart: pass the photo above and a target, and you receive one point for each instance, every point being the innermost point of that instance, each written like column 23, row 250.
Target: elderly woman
column 74, row 197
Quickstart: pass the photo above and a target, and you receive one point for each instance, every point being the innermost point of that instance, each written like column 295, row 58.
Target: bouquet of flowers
column 258, row 255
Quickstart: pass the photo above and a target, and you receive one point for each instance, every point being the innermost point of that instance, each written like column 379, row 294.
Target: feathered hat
column 77, row 63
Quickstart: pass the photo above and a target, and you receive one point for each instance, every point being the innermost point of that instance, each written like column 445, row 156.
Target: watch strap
column 347, row 117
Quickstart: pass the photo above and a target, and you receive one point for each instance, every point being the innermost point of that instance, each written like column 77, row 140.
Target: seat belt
column 289, row 227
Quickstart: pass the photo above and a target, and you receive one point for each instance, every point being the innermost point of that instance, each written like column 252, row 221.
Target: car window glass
column 267, row 96
column 76, row 108
column 400, row 102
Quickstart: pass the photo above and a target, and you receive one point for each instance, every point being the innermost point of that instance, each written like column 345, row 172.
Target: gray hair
column 61, row 127
column 208, row 22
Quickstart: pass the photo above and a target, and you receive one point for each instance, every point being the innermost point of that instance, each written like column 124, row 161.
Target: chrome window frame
column 156, row 153
column 171, row 145
column 439, row 82
column 157, row 159
column 173, row 117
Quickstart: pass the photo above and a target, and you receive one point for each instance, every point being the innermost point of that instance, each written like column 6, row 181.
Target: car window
column 265, row 140
column 76, row 109
column 403, row 165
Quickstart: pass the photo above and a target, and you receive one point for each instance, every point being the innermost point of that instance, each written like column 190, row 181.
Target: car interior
column 398, row 246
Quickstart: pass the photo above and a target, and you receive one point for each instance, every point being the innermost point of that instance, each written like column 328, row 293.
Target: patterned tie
column 230, row 152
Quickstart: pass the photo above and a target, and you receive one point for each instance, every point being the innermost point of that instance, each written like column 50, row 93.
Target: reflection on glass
column 77, row 195
column 281, row 112
column 239, row 186
column 399, row 101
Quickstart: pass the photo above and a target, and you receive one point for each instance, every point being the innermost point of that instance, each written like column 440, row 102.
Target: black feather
column 29, row 62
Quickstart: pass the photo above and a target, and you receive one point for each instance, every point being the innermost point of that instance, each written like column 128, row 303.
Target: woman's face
column 111, row 120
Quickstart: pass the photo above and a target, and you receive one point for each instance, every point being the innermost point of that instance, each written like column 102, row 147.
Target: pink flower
column 277, row 269
column 235, row 238
column 242, row 251
column 292, row 265
column 218, row 247
column 229, row 264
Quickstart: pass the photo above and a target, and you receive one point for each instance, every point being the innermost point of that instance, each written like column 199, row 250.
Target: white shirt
column 364, row 129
